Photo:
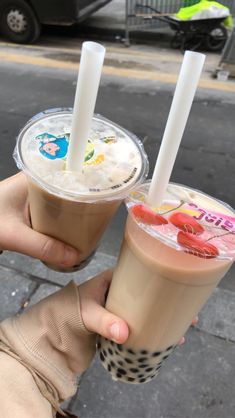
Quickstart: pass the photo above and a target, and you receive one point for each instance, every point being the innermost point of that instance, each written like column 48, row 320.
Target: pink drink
column 162, row 280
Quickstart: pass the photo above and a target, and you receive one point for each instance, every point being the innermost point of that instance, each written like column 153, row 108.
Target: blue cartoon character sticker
column 53, row 147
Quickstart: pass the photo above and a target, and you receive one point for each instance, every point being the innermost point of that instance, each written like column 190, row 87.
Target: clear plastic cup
column 171, row 260
column 77, row 207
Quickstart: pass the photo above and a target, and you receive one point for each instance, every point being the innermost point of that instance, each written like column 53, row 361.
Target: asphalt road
column 206, row 157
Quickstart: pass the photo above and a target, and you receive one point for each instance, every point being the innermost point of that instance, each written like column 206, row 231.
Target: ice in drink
column 170, row 262
column 76, row 207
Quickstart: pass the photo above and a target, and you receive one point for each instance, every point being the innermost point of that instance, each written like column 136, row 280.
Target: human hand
column 16, row 233
column 95, row 317
column 194, row 322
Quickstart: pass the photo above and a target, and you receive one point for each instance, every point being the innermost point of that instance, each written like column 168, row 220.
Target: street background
column 136, row 91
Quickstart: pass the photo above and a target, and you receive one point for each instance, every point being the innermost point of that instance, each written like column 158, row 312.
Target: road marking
column 113, row 71
column 38, row 61
column 110, row 49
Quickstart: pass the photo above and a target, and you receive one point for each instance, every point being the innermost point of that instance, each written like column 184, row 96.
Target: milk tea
column 159, row 287
column 76, row 207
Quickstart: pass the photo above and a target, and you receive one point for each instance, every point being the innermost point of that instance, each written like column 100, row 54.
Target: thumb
column 97, row 319
column 43, row 247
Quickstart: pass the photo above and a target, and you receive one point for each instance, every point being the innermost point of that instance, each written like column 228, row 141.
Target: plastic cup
column 77, row 207
column 169, row 264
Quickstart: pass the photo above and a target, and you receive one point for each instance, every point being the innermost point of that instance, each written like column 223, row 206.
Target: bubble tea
column 171, row 260
column 76, row 207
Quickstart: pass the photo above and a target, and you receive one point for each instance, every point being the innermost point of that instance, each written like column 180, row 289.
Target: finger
column 97, row 319
column 37, row 245
column 195, row 321
column 181, row 341
column 96, row 288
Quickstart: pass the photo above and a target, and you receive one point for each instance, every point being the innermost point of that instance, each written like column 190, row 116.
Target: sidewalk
column 197, row 381
column 109, row 23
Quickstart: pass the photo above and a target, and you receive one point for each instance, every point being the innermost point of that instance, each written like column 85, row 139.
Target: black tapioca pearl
column 165, row 357
column 104, row 353
column 120, row 347
column 112, row 363
column 142, row 359
column 109, row 368
column 133, row 370
column 142, row 380
column 101, row 356
column 149, row 369
column 140, row 376
column 120, row 363
column 144, row 352
column 131, row 379
column 128, row 360
column 121, row 371
column 152, row 376
column 98, row 345
column 117, row 352
column 142, row 366
column 130, row 351
column 156, row 353
column 110, row 351
column 118, row 375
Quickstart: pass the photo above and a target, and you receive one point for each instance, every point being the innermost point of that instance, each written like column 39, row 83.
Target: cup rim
column 80, row 197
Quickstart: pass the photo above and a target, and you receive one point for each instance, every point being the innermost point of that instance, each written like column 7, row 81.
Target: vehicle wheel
column 216, row 39
column 18, row 22
column 192, row 44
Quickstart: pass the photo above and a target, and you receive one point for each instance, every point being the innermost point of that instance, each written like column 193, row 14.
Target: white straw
column 183, row 97
column 92, row 58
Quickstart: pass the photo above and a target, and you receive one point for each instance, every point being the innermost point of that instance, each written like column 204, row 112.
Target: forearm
column 19, row 394
column 50, row 346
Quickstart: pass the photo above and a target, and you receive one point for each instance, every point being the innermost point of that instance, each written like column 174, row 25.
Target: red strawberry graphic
column 197, row 246
column 148, row 216
column 186, row 222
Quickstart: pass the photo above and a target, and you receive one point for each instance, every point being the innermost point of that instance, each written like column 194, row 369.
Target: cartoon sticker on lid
column 53, row 147
column 56, row 147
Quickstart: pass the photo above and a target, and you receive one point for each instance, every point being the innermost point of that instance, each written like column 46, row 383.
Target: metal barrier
column 138, row 13
column 227, row 61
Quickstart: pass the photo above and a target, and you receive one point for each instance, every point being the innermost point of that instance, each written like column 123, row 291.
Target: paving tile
column 14, row 290
column 42, row 292
column 218, row 315
column 34, row 267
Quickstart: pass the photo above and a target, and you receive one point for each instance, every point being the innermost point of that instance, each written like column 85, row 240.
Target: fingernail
column 115, row 331
column 70, row 256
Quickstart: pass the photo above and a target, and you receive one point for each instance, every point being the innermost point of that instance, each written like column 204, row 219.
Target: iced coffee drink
column 76, row 207
column 171, row 260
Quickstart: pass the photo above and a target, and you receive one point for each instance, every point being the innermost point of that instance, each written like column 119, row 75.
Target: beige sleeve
column 19, row 394
column 50, row 339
